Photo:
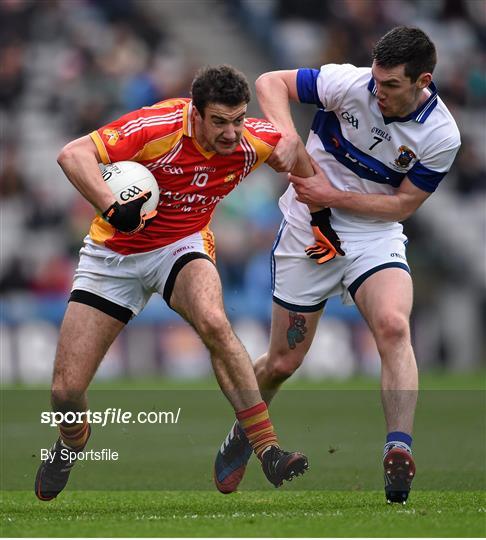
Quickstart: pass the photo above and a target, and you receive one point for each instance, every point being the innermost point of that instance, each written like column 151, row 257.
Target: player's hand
column 127, row 217
column 315, row 190
column 327, row 244
column 284, row 155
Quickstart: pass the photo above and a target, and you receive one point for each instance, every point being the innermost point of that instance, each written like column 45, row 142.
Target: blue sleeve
column 424, row 178
column 307, row 86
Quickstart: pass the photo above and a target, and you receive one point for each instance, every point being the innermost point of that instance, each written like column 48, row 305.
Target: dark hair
column 406, row 45
column 219, row 84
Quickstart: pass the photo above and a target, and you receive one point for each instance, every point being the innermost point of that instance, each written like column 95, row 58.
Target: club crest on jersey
column 335, row 142
column 113, row 136
column 405, row 157
column 231, row 177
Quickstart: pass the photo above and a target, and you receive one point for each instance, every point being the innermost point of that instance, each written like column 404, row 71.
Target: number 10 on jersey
column 200, row 179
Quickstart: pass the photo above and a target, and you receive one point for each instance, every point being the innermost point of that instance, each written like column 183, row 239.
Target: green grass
column 430, row 380
column 162, row 484
column 257, row 513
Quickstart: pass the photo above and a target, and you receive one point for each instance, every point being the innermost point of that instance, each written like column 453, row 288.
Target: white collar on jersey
column 420, row 114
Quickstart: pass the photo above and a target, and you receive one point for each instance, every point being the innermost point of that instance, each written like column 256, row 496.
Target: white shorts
column 300, row 284
column 121, row 285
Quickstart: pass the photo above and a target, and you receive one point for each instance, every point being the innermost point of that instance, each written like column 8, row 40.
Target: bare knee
column 67, row 394
column 279, row 367
column 214, row 328
column 391, row 329
column 64, row 398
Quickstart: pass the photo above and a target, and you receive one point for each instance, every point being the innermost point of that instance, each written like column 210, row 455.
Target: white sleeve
column 427, row 173
column 326, row 88
column 334, row 82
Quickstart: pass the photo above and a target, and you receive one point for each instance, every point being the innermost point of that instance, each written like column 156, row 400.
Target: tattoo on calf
column 296, row 330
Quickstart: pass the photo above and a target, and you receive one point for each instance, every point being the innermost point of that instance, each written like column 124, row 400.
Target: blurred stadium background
column 69, row 66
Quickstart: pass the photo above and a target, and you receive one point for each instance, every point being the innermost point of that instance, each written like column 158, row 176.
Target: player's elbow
column 263, row 81
column 269, row 82
column 70, row 152
column 277, row 85
column 79, row 149
column 405, row 212
column 65, row 155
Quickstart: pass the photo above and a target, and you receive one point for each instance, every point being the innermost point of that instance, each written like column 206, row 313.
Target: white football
column 128, row 179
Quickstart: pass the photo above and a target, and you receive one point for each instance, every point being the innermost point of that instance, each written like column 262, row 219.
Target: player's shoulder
column 444, row 123
column 161, row 119
column 168, row 113
column 262, row 130
column 441, row 129
column 166, row 105
column 347, row 72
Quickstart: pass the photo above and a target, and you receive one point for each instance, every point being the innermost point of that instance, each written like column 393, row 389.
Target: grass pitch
column 162, row 485
column 251, row 514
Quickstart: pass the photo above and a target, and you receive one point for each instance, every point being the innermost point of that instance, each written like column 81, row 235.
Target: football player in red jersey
column 198, row 150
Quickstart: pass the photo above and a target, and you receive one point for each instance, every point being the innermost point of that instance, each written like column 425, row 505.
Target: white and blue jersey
column 362, row 151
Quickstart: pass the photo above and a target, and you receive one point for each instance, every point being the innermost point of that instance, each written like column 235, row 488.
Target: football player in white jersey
column 380, row 143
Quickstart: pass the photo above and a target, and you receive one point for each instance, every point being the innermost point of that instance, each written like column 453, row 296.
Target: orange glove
column 327, row 244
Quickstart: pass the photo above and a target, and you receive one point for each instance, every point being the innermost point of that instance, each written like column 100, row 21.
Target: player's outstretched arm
column 79, row 160
column 327, row 243
column 274, row 91
column 317, row 190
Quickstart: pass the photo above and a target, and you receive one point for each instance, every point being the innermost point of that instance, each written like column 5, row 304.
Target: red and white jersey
column 191, row 180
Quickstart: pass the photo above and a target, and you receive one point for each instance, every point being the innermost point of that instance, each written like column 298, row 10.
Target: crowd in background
column 69, row 66
column 66, row 68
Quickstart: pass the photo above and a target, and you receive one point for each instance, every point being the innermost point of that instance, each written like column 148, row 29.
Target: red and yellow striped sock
column 75, row 435
column 256, row 424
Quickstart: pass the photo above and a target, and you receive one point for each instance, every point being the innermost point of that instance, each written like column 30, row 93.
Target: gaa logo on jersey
column 405, row 157
column 112, row 136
